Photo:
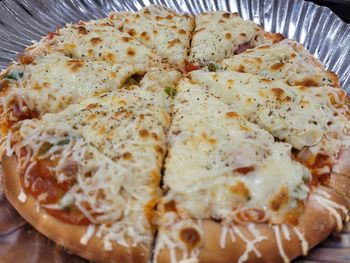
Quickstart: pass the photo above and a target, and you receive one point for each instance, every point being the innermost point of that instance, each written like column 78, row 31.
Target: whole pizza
column 158, row 136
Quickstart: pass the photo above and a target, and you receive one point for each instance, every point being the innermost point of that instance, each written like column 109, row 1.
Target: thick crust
column 63, row 234
column 315, row 224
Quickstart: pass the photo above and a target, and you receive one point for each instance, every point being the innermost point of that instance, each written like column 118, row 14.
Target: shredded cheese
column 276, row 229
column 88, row 234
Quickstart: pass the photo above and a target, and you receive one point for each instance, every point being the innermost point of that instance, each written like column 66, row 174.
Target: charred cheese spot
column 131, row 52
column 4, row 86
column 307, row 82
column 127, row 156
column 226, row 15
column 95, row 40
column 169, row 17
column 159, row 149
column 37, row 87
column 68, row 49
column 126, row 39
column 293, row 55
column 25, row 59
column 232, row 114
column 82, row 30
column 243, row 34
column 109, row 57
column 239, row 188
column 155, row 31
column 278, row 92
column 132, row 32
column 266, row 80
column 190, row 237
column 173, row 42
column 245, row 170
column 277, row 66
column 241, row 68
column 143, row 133
column 280, row 199
column 228, row 35
column 75, row 65
column 170, row 206
column 144, row 34
column 182, row 32
column 155, row 136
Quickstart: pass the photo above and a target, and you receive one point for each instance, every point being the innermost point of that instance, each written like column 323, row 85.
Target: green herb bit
column 171, row 92
column 212, row 67
column 63, row 142
column 15, row 75
column 45, row 148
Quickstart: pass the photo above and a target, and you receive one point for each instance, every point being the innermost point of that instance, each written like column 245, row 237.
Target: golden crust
column 316, row 223
column 64, row 234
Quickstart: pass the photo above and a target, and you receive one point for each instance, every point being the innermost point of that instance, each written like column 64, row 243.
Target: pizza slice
column 96, row 41
column 286, row 60
column 164, row 31
column 314, row 120
column 49, row 83
column 233, row 193
column 88, row 177
column 219, row 35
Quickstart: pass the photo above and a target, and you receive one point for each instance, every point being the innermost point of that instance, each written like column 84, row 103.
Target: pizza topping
column 191, row 67
column 171, row 92
column 218, row 36
column 81, row 177
column 279, row 242
column 323, row 198
column 287, row 61
column 242, row 48
column 88, row 235
column 228, row 178
column 304, row 243
column 14, row 75
column 51, row 35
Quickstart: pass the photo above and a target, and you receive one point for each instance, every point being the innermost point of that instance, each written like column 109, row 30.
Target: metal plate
column 25, row 21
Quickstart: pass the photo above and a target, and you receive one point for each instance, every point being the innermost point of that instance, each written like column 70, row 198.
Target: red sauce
column 190, row 67
column 42, row 184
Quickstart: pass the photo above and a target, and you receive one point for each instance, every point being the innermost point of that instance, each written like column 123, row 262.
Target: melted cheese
column 211, row 149
column 285, row 60
column 163, row 30
column 97, row 42
column 218, row 35
column 54, row 80
column 117, row 142
column 313, row 116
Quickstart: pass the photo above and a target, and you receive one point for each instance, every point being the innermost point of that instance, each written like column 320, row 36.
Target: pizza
column 157, row 136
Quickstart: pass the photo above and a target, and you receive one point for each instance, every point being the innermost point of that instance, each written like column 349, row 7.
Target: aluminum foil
column 24, row 21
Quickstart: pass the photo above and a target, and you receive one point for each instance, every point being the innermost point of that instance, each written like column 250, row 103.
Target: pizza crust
column 316, row 223
column 66, row 235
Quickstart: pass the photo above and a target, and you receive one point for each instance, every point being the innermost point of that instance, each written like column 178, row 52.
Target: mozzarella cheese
column 219, row 164
column 301, row 116
column 53, row 81
column 163, row 30
column 97, row 41
column 219, row 35
column 117, row 142
column 285, row 60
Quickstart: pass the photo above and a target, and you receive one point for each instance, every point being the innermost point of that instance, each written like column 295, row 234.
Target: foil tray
column 24, row 21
